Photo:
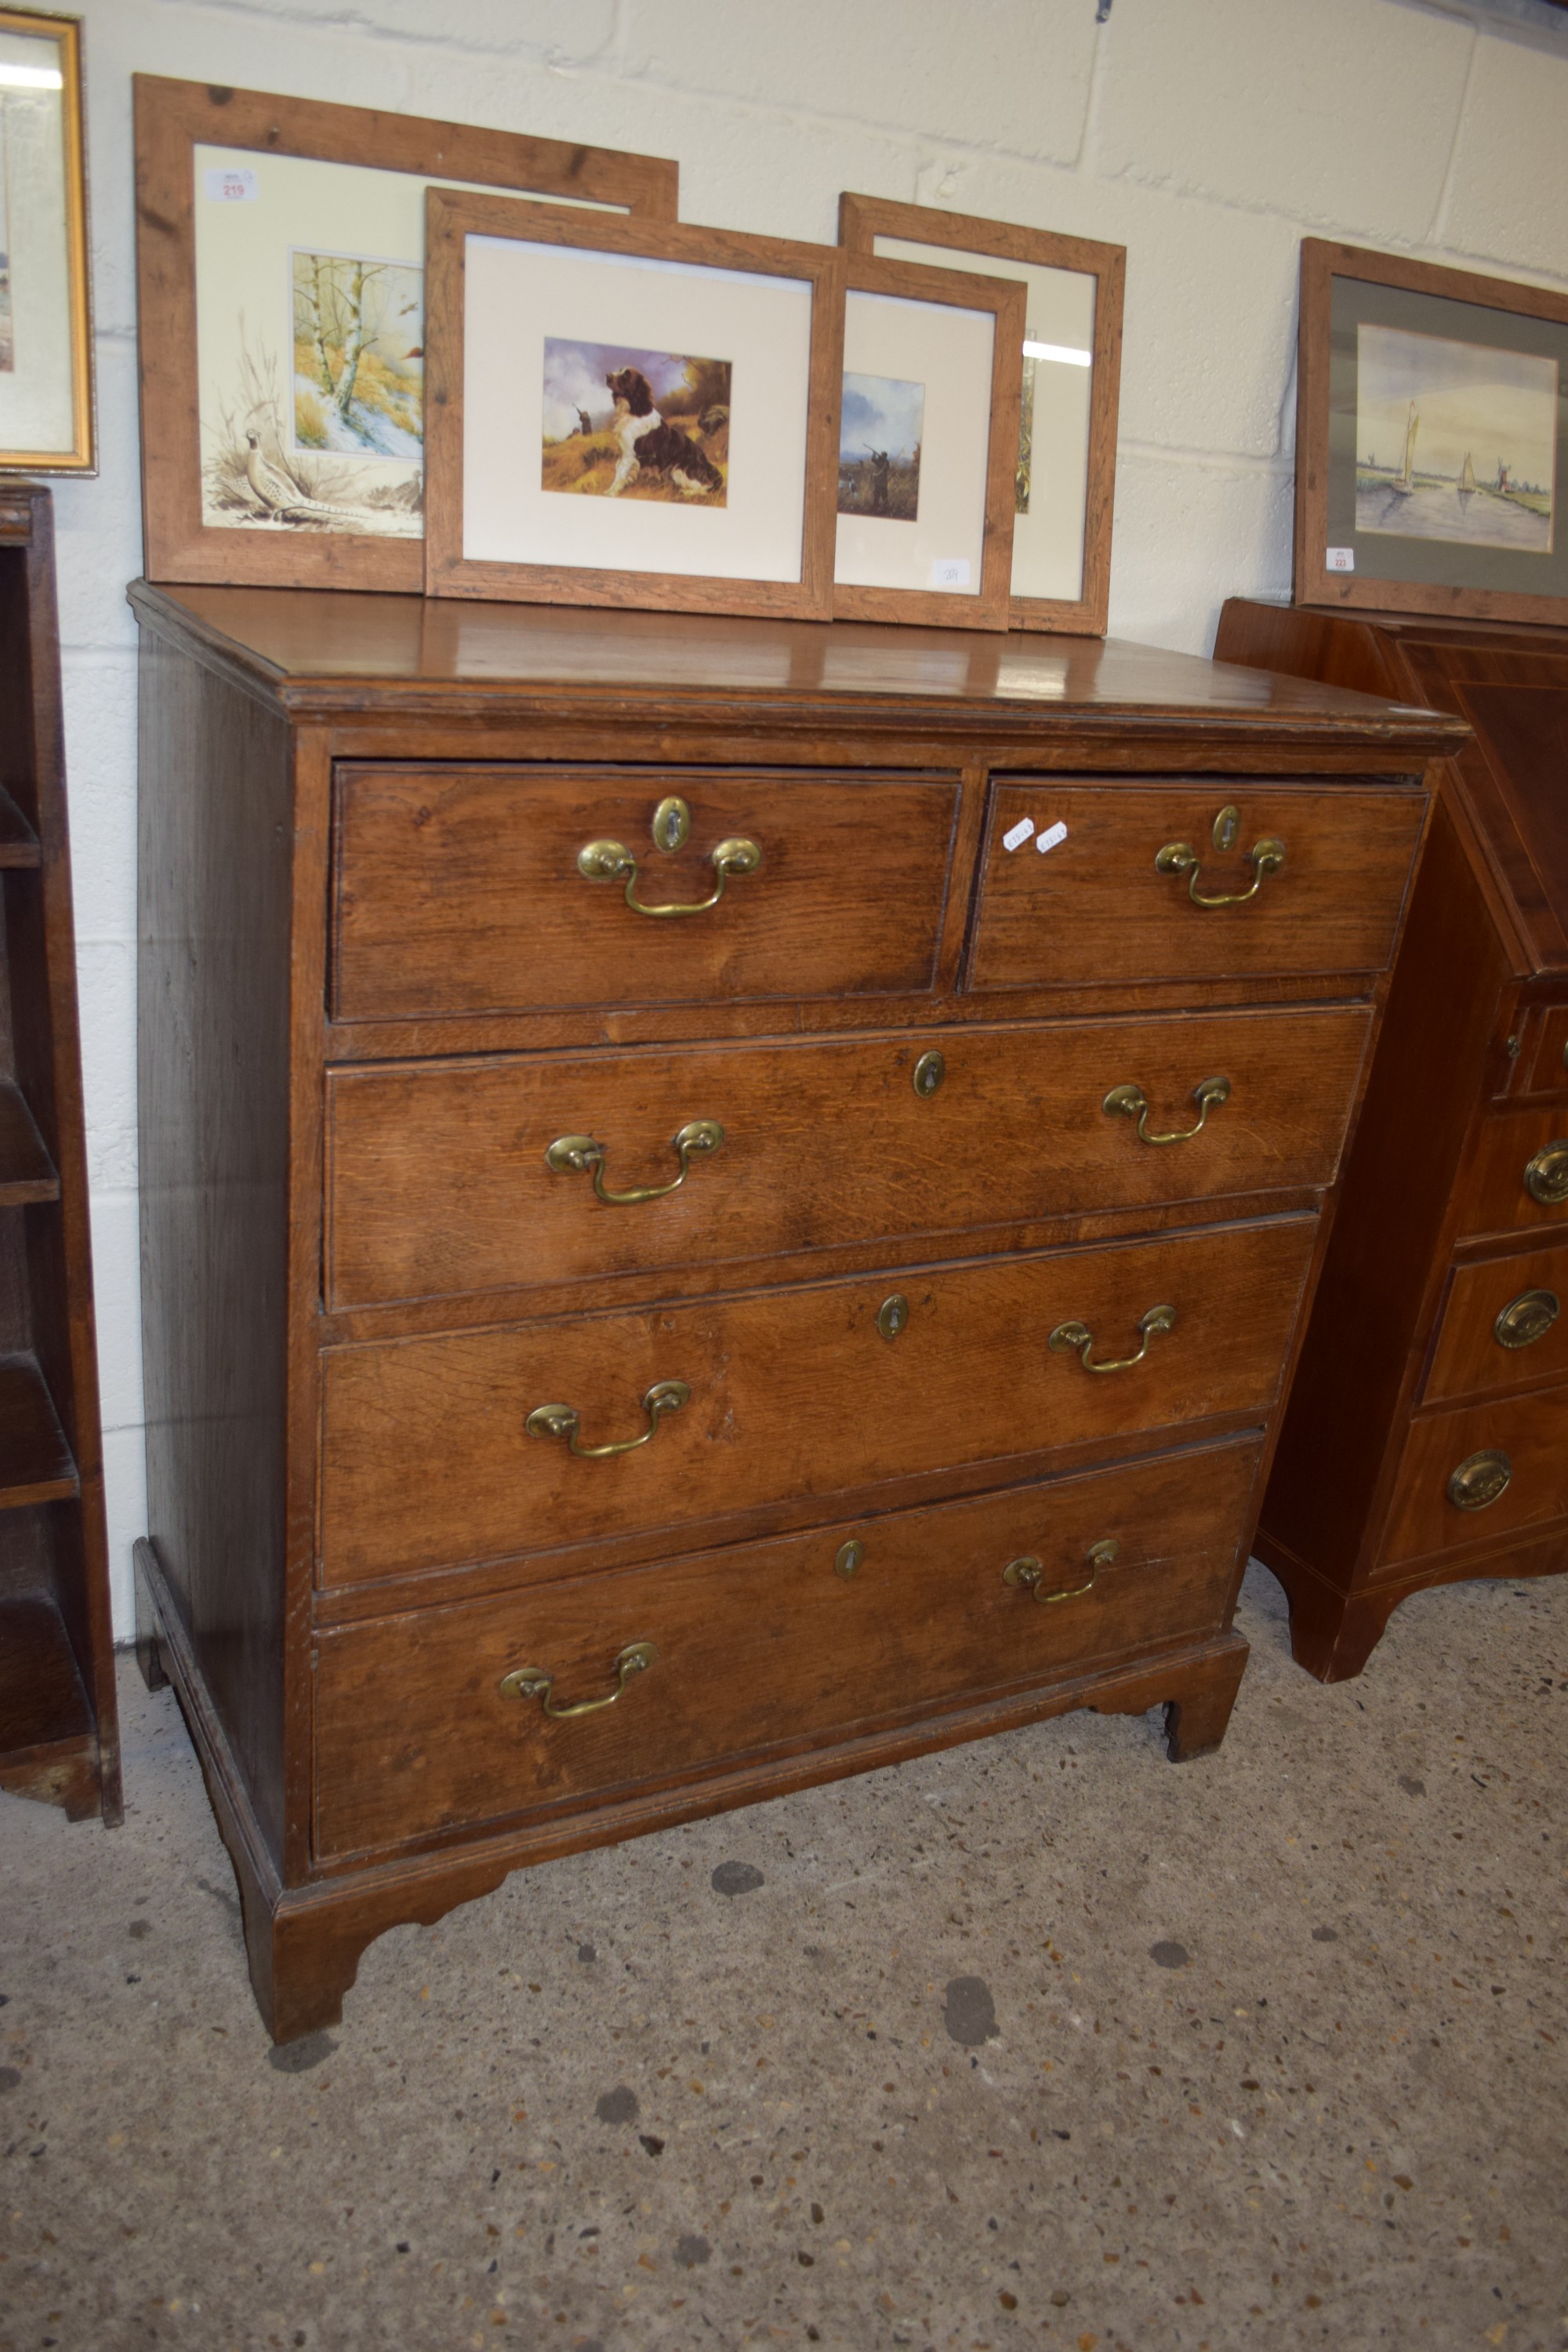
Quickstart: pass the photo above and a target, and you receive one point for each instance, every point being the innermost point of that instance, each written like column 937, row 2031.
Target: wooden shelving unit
column 59, row 1729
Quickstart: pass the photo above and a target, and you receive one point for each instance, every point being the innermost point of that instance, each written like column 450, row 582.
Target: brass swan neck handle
column 1076, row 1339
column 564, row 1419
column 576, row 1154
column 532, row 1682
column 1029, row 1574
column 612, row 861
column 1264, row 857
column 1131, row 1102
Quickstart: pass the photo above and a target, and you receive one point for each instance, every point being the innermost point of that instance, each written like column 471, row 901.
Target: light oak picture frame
column 880, row 227
column 174, row 120
column 47, row 418
column 520, row 546
column 1462, row 515
column 993, row 461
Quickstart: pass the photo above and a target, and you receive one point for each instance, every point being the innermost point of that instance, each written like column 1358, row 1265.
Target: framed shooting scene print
column 279, row 248
column 1431, row 439
column 928, row 444
column 629, row 413
column 1065, row 477
column 46, row 312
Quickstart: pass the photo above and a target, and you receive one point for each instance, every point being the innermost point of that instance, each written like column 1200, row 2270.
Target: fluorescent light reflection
column 31, row 77
column 1064, row 353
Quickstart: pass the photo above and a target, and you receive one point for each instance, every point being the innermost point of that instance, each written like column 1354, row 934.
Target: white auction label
column 1016, row 834
column 1342, row 559
column 950, row 572
column 1051, row 835
column 228, row 184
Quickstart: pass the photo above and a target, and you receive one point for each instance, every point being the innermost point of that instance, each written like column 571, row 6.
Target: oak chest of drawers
column 1427, row 1436
column 724, row 1202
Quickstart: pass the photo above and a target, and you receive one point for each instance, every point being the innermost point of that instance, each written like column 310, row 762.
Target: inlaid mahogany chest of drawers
column 1427, row 1436
column 724, row 1202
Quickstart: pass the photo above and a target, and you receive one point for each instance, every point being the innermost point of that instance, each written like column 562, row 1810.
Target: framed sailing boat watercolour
column 1431, row 439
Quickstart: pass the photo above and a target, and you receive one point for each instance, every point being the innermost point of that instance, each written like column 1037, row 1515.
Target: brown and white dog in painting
column 647, row 440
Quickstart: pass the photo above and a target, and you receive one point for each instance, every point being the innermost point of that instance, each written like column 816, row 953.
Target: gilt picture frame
column 629, row 413
column 1431, row 439
column 280, row 328
column 47, row 424
column 928, row 445
column 1066, row 486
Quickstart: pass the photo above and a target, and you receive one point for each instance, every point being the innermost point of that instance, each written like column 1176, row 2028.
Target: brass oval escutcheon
column 1527, row 1318
column 1479, row 1479
column 892, row 1315
column 847, row 1560
column 1227, row 825
column 1546, row 1176
column 928, row 1074
column 671, row 823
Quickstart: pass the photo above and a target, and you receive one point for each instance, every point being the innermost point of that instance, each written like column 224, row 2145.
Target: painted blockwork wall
column 1207, row 136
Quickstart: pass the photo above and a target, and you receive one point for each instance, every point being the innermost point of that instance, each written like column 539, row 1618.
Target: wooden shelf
column 36, row 1464
column 50, row 1742
column 19, row 841
column 26, row 1172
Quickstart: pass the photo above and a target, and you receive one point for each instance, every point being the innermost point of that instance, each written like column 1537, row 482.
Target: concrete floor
column 1045, row 2042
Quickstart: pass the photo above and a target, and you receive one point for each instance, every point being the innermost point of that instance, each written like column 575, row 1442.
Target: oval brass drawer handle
column 563, row 1421
column 1264, row 857
column 1546, row 1176
column 532, row 1682
column 1028, row 1572
column 1131, row 1102
column 573, row 1155
column 611, row 861
column 1479, row 1479
column 1077, row 1339
column 1527, row 1318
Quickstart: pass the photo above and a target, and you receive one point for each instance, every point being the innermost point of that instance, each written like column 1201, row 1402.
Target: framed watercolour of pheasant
column 280, row 269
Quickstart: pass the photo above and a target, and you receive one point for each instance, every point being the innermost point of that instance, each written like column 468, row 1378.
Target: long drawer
column 441, row 1179
column 1503, row 1325
column 469, row 887
column 764, row 1646
column 1507, row 1460
column 793, row 1394
column 1093, row 890
column 1516, row 1177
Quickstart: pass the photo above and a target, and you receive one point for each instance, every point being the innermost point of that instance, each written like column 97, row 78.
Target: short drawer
column 1503, row 1325
column 764, row 1646
column 1179, row 881
column 1486, row 1470
column 442, row 1179
column 793, row 1394
column 1515, row 1174
column 463, row 889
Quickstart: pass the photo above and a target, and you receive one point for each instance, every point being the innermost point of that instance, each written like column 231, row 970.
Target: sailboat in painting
column 1405, row 481
column 1467, row 478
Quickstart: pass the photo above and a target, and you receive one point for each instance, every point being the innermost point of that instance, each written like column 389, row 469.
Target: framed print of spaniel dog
column 282, row 321
column 629, row 413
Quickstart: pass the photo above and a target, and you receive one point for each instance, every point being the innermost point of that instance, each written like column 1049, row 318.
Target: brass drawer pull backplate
column 1264, row 857
column 1527, row 1318
column 1546, row 1176
column 1479, row 1479
column 612, row 861
column 1076, row 1339
column 574, row 1155
column 564, row 1419
column 532, row 1682
column 1029, row 1574
column 1131, row 1102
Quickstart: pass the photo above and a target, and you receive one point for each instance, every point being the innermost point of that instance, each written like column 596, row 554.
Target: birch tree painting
column 359, row 358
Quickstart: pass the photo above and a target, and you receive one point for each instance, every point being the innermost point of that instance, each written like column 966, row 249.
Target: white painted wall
column 1207, row 136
